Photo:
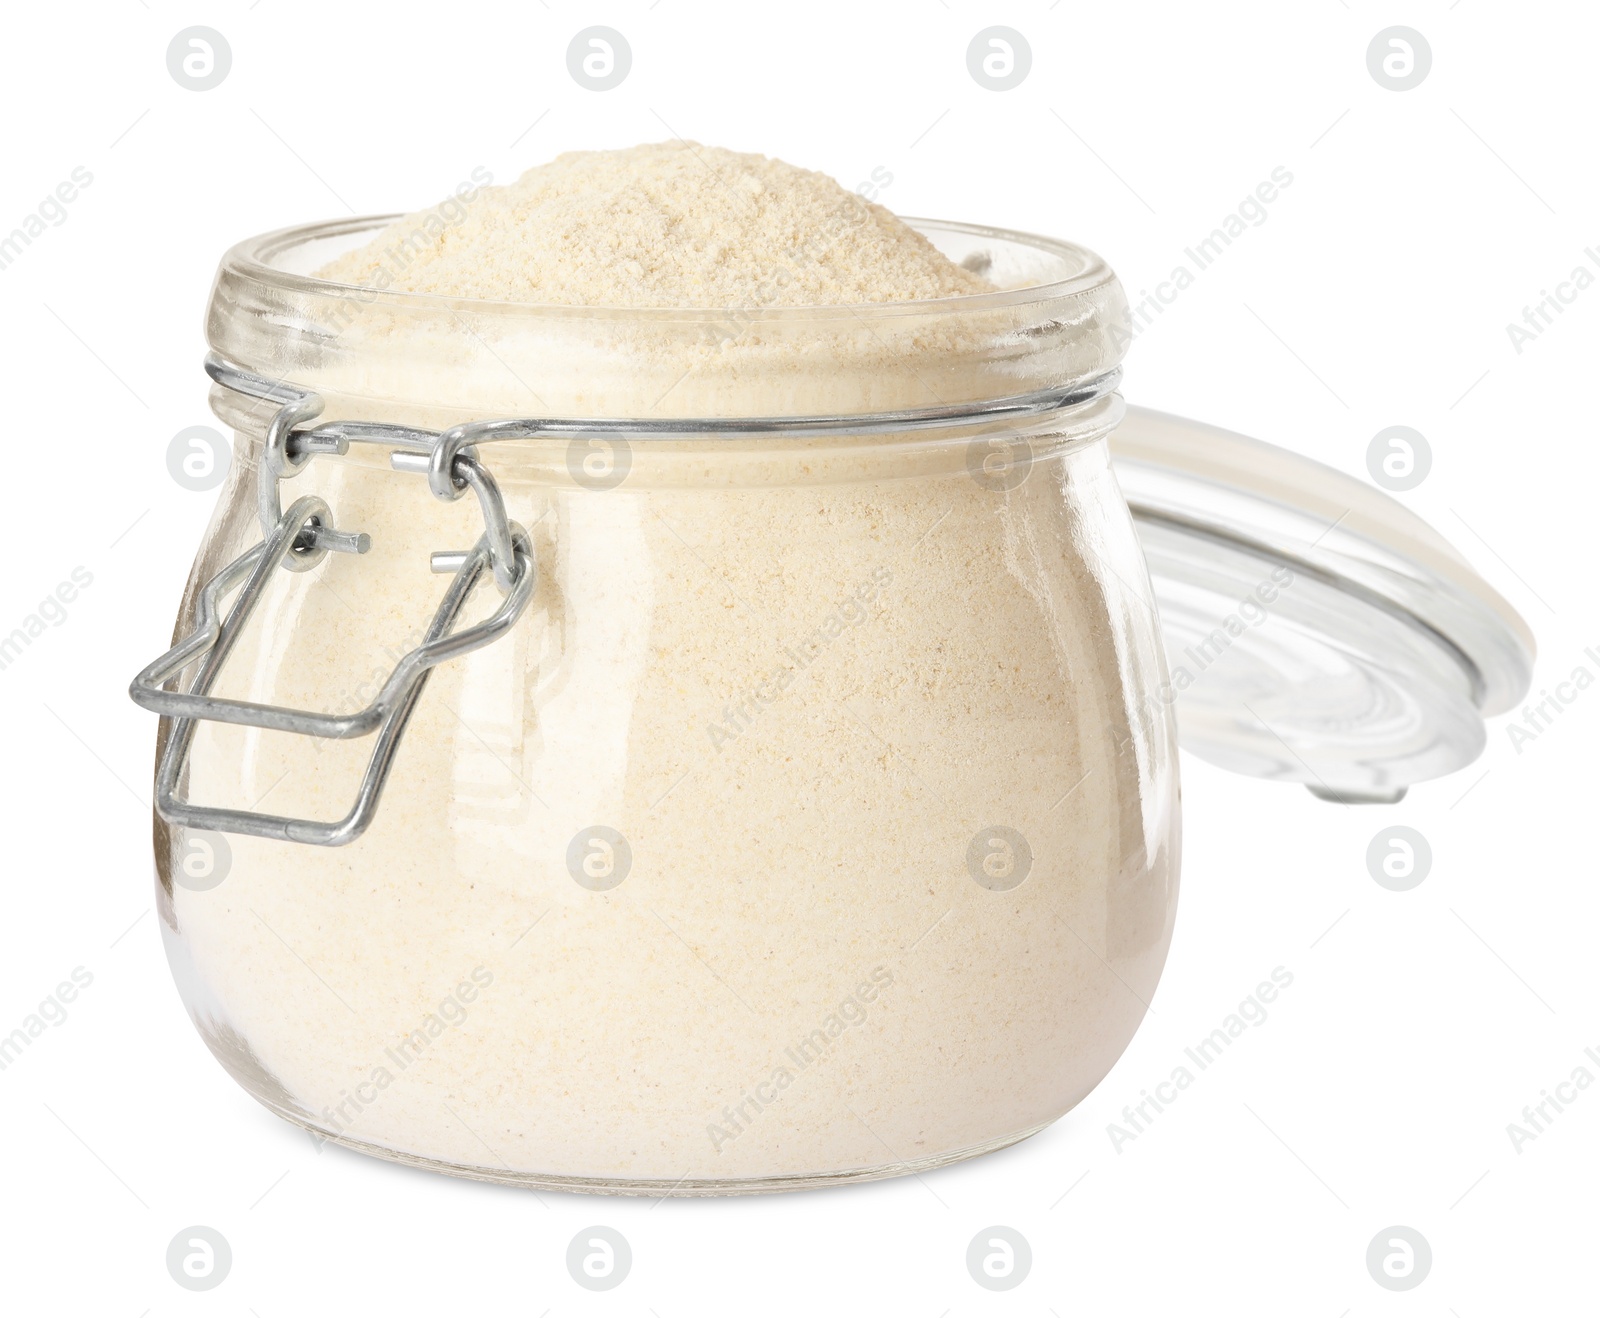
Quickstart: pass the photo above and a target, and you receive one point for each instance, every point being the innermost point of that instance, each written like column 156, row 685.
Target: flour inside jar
column 812, row 823
column 674, row 224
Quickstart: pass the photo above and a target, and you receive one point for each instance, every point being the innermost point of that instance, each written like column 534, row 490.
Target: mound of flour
column 672, row 224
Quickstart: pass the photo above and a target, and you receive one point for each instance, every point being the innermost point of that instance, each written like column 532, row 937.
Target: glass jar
column 802, row 819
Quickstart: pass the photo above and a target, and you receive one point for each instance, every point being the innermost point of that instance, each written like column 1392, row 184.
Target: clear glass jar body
column 810, row 825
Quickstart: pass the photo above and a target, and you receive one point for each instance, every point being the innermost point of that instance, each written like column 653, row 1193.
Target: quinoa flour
column 669, row 225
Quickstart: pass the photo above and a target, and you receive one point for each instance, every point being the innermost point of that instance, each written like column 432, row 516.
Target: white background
column 1419, row 1024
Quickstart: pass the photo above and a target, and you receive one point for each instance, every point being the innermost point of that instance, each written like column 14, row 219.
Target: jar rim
column 258, row 260
column 433, row 361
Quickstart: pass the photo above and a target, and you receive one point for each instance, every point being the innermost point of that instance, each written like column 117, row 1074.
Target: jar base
column 653, row 1189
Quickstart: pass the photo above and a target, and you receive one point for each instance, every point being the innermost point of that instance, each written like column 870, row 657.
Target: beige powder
column 803, row 681
column 674, row 224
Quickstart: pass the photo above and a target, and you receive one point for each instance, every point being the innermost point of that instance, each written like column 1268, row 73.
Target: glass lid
column 1316, row 630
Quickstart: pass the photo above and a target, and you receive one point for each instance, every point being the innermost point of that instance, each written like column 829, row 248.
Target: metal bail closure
column 297, row 541
column 214, row 638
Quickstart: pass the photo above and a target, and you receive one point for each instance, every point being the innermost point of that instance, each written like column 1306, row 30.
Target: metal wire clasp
column 297, row 540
